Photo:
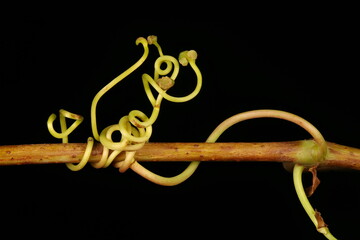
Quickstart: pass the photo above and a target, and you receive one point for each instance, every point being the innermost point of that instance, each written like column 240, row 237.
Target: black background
column 304, row 64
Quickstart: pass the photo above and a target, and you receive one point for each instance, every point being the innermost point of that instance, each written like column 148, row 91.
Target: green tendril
column 314, row 215
column 63, row 114
column 85, row 158
column 114, row 82
column 136, row 128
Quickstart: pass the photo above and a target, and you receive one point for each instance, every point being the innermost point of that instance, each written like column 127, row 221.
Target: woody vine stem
column 136, row 128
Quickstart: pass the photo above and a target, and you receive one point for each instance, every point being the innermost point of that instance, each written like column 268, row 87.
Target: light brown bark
column 287, row 152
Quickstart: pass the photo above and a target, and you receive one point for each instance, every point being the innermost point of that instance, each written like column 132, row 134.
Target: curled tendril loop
column 136, row 128
column 134, row 135
column 139, row 119
column 170, row 62
column 63, row 114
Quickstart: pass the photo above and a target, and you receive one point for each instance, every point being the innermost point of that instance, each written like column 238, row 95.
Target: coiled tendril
column 135, row 128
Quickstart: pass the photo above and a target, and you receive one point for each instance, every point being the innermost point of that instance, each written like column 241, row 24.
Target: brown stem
column 338, row 156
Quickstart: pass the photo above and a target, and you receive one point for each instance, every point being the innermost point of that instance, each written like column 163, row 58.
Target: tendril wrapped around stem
column 135, row 128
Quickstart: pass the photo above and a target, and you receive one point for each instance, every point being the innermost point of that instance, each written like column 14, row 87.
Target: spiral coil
column 136, row 127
